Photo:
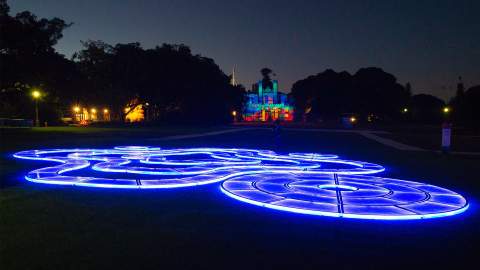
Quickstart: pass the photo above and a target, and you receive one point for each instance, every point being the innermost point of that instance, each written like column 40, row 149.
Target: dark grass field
column 51, row 227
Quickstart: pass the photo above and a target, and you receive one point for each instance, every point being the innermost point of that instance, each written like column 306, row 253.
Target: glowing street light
column 36, row 94
column 76, row 109
column 405, row 110
column 105, row 111
column 446, row 110
column 93, row 110
column 353, row 119
column 234, row 115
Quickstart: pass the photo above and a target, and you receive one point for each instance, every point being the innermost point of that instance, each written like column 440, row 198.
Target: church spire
column 233, row 81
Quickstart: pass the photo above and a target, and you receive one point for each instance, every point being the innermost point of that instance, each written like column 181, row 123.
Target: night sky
column 427, row 43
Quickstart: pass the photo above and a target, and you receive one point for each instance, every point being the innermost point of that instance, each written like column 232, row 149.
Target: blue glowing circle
column 154, row 167
column 307, row 183
column 349, row 196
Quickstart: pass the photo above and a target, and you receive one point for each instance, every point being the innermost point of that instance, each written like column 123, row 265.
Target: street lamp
column 76, row 115
column 446, row 110
column 36, row 95
column 106, row 115
column 234, row 114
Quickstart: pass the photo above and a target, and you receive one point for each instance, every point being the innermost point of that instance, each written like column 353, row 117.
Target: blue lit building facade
column 265, row 103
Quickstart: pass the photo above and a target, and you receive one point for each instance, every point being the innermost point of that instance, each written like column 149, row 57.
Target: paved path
column 389, row 142
column 369, row 134
column 212, row 133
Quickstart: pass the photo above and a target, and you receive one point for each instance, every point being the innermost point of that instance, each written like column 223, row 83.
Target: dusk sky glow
column 427, row 43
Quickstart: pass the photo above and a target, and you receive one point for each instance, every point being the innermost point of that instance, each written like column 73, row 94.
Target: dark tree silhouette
column 329, row 94
column 266, row 80
column 178, row 86
column 28, row 60
column 465, row 107
column 426, row 109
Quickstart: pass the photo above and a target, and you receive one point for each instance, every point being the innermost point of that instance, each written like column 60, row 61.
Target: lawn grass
column 54, row 227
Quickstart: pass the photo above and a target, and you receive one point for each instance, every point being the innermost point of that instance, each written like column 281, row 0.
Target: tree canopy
column 29, row 60
column 330, row 93
column 178, row 85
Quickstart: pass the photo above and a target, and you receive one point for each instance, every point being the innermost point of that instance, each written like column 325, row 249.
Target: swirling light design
column 349, row 196
column 307, row 183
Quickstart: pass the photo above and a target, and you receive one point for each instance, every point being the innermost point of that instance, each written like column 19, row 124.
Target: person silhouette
column 277, row 131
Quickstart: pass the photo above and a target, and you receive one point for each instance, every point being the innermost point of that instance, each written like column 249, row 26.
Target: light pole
column 76, row 115
column 36, row 95
column 93, row 115
column 234, row 115
column 106, row 116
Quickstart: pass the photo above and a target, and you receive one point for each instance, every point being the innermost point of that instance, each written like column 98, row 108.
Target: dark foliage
column 426, row 109
column 266, row 79
column 369, row 91
column 177, row 85
column 465, row 107
column 28, row 60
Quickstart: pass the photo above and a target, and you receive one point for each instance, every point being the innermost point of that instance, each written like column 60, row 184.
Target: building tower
column 233, row 81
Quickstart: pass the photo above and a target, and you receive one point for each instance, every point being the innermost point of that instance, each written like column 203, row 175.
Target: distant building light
column 353, row 119
column 93, row 110
column 234, row 113
column 446, row 109
column 76, row 109
column 105, row 110
column 405, row 110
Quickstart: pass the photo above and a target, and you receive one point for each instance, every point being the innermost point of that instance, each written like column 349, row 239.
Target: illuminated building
column 266, row 103
column 84, row 115
column 135, row 113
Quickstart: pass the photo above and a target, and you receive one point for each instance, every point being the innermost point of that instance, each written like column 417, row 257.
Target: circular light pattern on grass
column 364, row 197
column 308, row 183
column 153, row 167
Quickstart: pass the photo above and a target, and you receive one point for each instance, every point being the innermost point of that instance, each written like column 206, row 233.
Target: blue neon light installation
column 307, row 183
column 349, row 196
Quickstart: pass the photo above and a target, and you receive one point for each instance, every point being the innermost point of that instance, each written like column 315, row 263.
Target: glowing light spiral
column 308, row 183
column 364, row 197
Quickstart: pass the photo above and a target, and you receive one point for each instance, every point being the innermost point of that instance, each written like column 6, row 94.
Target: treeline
column 177, row 85
column 376, row 93
column 182, row 87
